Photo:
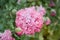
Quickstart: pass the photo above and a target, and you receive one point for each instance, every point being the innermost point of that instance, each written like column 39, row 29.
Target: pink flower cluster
column 30, row 20
column 6, row 35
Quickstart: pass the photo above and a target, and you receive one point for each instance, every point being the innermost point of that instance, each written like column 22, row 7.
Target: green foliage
column 8, row 10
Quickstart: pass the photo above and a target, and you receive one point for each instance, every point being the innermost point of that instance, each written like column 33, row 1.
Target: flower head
column 6, row 35
column 29, row 20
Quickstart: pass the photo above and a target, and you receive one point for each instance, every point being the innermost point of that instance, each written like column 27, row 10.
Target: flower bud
column 44, row 18
column 51, row 4
column 53, row 13
column 48, row 21
column 18, row 2
column 14, row 10
column 18, row 31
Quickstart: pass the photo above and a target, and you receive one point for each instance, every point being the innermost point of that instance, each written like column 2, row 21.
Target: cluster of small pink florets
column 30, row 20
column 6, row 35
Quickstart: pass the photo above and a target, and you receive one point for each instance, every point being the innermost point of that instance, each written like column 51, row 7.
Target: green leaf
column 1, row 27
column 41, row 37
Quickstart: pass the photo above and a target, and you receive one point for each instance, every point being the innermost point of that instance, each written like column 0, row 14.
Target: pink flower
column 29, row 20
column 48, row 21
column 41, row 10
column 6, row 35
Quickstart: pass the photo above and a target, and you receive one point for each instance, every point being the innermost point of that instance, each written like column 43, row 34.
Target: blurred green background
column 8, row 10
